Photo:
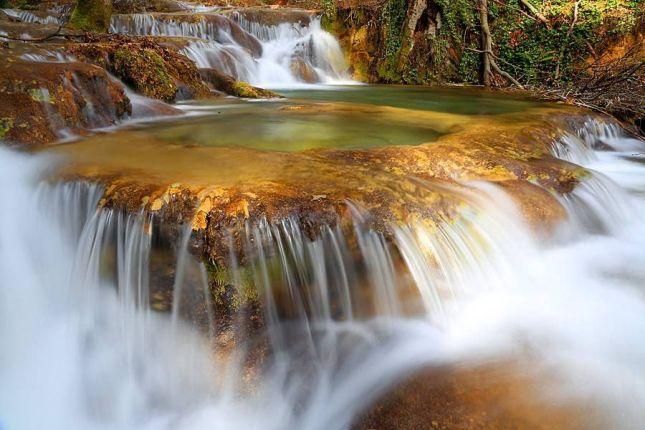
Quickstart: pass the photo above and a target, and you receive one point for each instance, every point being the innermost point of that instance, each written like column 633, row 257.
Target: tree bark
column 486, row 42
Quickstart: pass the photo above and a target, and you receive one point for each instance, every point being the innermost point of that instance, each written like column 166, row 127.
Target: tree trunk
column 91, row 15
column 486, row 42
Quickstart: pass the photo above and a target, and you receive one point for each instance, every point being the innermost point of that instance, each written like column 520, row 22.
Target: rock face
column 394, row 41
column 270, row 17
column 41, row 102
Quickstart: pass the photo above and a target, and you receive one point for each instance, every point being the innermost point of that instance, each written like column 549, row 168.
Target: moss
column 227, row 84
column 228, row 296
column 146, row 72
column 6, row 124
column 144, row 62
column 91, row 15
column 40, row 95
column 245, row 90
column 394, row 15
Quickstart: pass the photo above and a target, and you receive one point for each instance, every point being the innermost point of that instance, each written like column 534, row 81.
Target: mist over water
column 81, row 345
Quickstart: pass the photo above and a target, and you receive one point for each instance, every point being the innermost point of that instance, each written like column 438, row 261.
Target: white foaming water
column 80, row 342
column 283, row 55
column 29, row 17
column 46, row 56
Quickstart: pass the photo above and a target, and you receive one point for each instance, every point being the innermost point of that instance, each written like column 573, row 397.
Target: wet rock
column 91, row 15
column 42, row 102
column 392, row 185
column 16, row 25
column 271, row 16
column 153, row 69
column 492, row 396
column 227, row 84
column 304, row 71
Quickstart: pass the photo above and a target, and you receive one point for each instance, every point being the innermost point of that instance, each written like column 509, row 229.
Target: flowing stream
column 80, row 341
column 345, row 315
column 287, row 54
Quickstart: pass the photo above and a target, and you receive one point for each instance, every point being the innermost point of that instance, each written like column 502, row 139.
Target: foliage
column 393, row 18
column 457, row 15
column 532, row 51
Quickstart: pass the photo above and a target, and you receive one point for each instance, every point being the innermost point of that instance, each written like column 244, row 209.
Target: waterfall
column 344, row 312
column 29, row 17
column 279, row 55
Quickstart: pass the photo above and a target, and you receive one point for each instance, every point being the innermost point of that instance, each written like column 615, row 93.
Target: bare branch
column 535, row 12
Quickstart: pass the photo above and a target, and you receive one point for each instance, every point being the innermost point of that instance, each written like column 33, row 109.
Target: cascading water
column 285, row 54
column 81, row 343
column 28, row 17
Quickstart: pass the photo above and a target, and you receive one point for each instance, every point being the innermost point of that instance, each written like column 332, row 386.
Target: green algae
column 6, row 124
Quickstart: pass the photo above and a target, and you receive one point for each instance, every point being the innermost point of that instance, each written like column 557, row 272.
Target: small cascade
column 31, row 18
column 46, row 56
column 276, row 55
column 333, row 318
column 580, row 146
column 476, row 251
column 597, row 204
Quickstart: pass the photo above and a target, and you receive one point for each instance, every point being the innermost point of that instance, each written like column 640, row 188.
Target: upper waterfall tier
column 285, row 51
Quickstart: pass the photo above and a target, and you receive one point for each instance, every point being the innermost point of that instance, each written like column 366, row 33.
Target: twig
column 493, row 63
column 536, row 12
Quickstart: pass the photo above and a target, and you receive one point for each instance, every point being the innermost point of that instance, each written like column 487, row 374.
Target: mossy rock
column 229, row 85
column 91, row 15
column 6, row 124
column 39, row 100
column 146, row 72
column 147, row 64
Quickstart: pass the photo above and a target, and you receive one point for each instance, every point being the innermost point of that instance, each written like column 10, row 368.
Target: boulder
column 227, row 84
column 152, row 68
column 41, row 102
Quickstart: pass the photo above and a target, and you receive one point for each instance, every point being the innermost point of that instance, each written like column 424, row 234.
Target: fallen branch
column 495, row 66
column 493, row 63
